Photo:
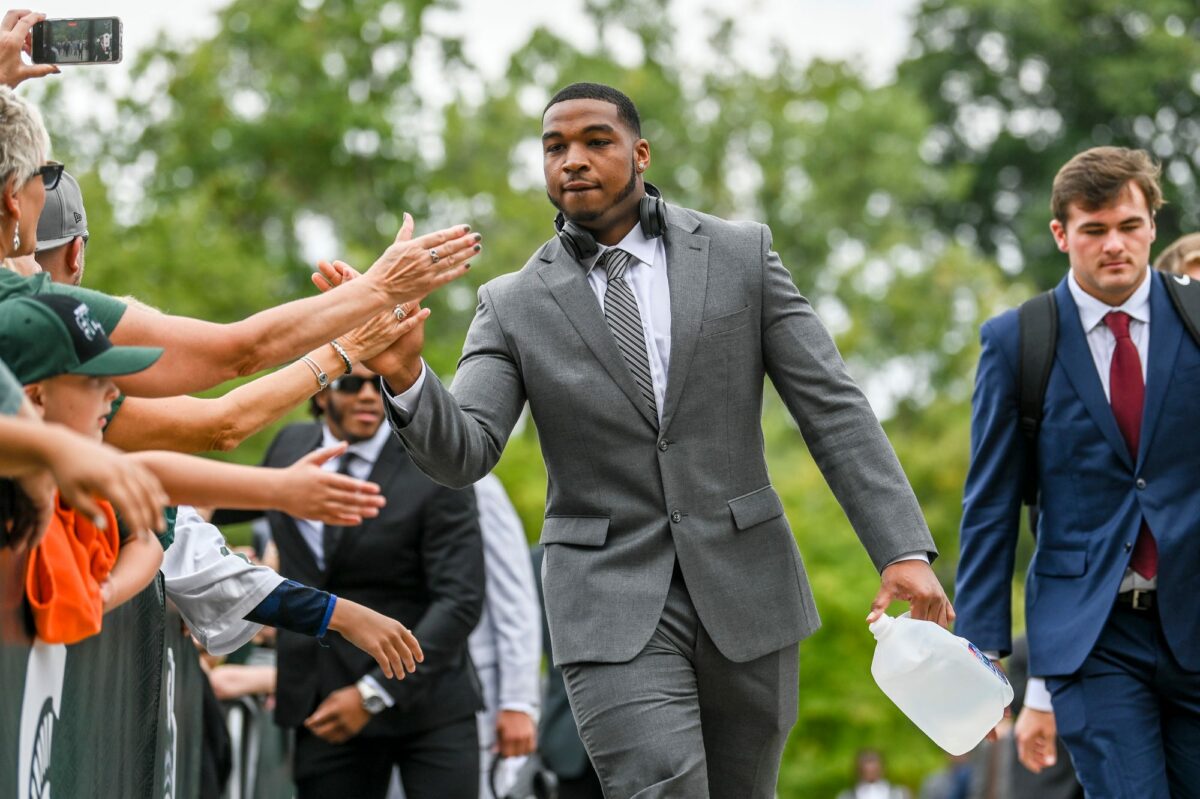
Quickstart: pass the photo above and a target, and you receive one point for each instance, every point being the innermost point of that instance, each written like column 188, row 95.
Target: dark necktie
column 621, row 312
column 331, row 535
column 1127, row 395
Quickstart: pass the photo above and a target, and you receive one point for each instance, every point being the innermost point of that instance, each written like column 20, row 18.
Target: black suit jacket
column 420, row 562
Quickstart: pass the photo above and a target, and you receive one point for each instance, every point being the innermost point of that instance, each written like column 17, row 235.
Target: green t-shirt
column 10, row 392
column 105, row 309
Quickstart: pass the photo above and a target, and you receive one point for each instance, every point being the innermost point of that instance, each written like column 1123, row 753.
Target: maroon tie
column 1127, row 394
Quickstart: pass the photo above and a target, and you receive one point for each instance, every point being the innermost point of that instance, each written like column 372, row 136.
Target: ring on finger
column 434, row 255
column 399, row 313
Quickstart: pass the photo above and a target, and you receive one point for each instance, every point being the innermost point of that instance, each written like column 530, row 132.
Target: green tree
column 1016, row 88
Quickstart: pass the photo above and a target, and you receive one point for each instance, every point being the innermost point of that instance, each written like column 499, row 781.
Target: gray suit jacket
column 626, row 499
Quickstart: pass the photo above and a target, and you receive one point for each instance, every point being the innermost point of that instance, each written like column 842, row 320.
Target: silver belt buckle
column 1141, row 600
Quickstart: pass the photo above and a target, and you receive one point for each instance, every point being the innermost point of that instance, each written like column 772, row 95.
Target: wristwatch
column 372, row 700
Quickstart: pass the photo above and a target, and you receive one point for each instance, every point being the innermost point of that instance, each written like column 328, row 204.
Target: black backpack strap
column 1038, row 322
column 1185, row 296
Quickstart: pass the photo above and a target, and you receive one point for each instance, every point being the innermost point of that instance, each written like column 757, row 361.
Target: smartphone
column 84, row 40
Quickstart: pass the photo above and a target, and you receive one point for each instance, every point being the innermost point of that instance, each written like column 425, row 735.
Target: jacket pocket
column 584, row 531
column 755, row 508
column 723, row 324
column 1060, row 562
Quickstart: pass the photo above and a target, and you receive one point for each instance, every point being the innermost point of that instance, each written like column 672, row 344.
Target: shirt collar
column 1092, row 311
column 635, row 243
column 367, row 450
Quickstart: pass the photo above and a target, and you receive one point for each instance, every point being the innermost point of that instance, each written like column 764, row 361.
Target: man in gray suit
column 640, row 337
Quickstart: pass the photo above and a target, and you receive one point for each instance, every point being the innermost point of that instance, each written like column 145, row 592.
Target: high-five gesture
column 411, row 268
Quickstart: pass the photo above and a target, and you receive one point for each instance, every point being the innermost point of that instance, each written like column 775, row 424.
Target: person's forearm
column 190, row 480
column 192, row 424
column 199, row 355
column 138, row 561
column 27, row 446
column 232, row 680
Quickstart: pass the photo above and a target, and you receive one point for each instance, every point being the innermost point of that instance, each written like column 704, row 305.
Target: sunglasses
column 51, row 173
column 352, row 384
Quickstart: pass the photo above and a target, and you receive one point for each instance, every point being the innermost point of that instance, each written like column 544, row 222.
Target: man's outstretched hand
column 400, row 363
column 913, row 581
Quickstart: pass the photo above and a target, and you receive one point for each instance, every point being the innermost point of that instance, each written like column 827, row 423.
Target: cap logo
column 88, row 326
column 78, row 216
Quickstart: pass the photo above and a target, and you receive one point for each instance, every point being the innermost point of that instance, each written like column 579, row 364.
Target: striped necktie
column 621, row 312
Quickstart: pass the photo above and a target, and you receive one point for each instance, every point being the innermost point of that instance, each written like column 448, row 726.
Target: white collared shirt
column 1100, row 339
column 647, row 276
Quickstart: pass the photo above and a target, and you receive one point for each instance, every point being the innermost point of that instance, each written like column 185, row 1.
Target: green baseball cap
column 46, row 335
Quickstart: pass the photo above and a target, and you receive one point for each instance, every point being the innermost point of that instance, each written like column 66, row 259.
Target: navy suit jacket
column 1093, row 493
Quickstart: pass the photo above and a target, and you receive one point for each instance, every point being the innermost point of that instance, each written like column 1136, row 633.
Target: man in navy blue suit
column 1111, row 602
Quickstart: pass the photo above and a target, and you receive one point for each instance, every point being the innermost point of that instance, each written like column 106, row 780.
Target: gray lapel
column 565, row 279
column 687, row 276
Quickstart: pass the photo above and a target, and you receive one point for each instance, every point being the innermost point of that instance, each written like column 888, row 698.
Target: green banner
column 116, row 715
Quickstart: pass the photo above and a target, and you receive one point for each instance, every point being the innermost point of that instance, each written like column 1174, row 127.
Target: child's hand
column 393, row 645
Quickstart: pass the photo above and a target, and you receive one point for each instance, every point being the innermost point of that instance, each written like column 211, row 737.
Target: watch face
column 374, row 704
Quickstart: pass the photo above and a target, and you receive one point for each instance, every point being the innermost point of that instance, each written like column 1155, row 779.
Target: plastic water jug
column 942, row 682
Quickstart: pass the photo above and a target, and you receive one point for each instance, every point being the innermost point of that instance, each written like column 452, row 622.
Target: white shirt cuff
column 911, row 556
column 521, row 707
column 406, row 401
column 388, row 701
column 1037, row 695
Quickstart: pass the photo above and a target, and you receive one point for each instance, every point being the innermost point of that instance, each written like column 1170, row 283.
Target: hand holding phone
column 82, row 40
column 15, row 39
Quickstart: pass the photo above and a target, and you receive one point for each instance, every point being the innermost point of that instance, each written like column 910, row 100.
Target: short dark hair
column 626, row 110
column 1095, row 178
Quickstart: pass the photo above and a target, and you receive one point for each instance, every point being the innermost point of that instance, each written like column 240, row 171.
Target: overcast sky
column 874, row 31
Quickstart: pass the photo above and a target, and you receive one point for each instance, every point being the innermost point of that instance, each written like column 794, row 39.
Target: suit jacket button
column 1141, row 483
column 662, row 445
column 1128, row 546
column 676, row 516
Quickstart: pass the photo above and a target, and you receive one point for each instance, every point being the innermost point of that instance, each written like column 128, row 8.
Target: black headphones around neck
column 652, row 213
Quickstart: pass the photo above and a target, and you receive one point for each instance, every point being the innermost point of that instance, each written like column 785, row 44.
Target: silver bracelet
column 318, row 372
column 342, row 354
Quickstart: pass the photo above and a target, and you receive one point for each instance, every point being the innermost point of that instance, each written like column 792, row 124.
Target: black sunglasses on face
column 352, row 384
column 51, row 173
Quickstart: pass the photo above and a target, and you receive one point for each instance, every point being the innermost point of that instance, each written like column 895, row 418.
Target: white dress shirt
column 1102, row 344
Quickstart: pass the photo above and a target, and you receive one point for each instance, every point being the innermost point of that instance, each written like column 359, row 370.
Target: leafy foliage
column 908, row 212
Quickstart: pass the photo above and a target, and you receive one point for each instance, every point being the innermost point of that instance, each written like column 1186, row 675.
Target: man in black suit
column 420, row 560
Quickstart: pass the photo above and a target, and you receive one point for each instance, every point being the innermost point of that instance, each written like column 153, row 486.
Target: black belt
column 1136, row 599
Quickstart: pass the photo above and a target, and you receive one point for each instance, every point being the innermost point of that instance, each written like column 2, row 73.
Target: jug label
column 987, row 661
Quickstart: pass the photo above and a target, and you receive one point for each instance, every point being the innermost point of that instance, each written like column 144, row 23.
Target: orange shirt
column 65, row 571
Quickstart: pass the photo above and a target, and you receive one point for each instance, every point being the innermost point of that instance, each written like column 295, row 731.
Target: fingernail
column 478, row 248
column 100, row 522
column 466, row 229
column 478, row 237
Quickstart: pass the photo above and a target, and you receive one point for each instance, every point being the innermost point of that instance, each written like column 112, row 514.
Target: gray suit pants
column 682, row 721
